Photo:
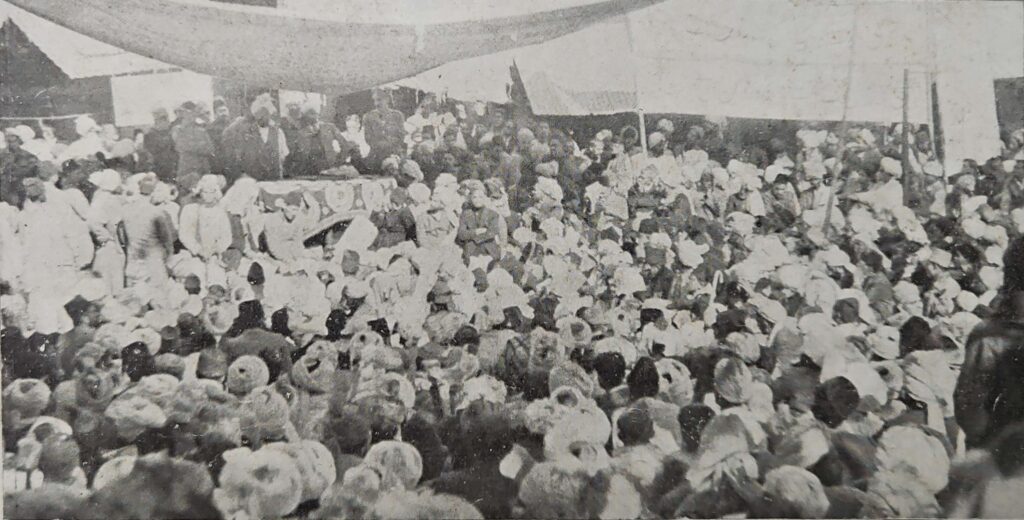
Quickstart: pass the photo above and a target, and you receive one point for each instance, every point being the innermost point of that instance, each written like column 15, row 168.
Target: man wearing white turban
column 89, row 142
column 106, row 214
column 213, row 236
column 255, row 144
column 51, row 239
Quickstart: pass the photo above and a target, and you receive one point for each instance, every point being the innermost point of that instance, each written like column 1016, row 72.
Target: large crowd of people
column 532, row 326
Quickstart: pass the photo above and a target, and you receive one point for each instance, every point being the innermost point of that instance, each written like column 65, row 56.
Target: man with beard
column 255, row 145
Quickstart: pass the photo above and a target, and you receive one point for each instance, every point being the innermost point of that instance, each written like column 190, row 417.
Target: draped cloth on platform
column 285, row 49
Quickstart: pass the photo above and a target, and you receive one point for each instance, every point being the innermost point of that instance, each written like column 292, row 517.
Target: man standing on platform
column 319, row 145
column 254, row 144
column 221, row 120
column 193, row 143
column 160, row 145
column 384, row 128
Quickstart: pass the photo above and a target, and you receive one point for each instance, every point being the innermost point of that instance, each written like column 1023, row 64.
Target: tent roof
column 422, row 11
column 79, row 56
column 312, row 51
column 762, row 58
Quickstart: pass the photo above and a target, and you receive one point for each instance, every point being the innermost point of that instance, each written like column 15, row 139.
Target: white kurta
column 50, row 262
column 11, row 252
column 106, row 212
column 205, row 230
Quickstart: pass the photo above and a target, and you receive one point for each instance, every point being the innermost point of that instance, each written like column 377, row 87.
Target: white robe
column 76, row 205
column 51, row 262
column 12, row 257
column 105, row 213
column 205, row 231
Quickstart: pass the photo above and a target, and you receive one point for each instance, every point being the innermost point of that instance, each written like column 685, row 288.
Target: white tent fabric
column 136, row 96
column 77, row 55
column 470, row 80
column 781, row 60
column 423, row 11
column 285, row 49
column 767, row 59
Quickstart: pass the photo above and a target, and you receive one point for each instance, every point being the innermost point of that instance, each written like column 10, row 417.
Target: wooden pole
column 843, row 128
column 908, row 185
column 933, row 121
column 638, row 102
column 643, row 129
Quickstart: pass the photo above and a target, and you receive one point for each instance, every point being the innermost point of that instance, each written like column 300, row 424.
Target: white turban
column 25, row 132
column 655, row 139
column 263, row 101
column 892, row 166
column 549, row 187
column 210, row 182
column 106, row 180
column 419, row 193
column 84, row 125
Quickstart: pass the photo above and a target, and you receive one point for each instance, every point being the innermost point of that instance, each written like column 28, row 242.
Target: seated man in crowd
column 479, row 227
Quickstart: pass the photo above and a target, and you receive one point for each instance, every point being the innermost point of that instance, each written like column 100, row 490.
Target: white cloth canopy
column 297, row 50
column 739, row 58
column 764, row 59
column 778, row 60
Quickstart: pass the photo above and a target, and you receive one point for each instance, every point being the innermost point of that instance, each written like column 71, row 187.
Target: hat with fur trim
column 733, row 380
column 264, row 416
column 245, row 374
column 23, row 401
column 798, row 487
column 399, row 464
column 314, row 462
column 134, row 415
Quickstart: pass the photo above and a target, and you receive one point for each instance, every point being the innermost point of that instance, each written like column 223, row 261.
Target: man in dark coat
column 384, row 128
column 15, row 165
column 222, row 118
column 989, row 393
column 319, row 146
column 159, row 143
column 254, row 145
column 479, row 228
column 192, row 142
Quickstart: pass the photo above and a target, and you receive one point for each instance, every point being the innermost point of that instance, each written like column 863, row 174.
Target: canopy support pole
column 643, row 129
column 628, row 22
column 827, row 225
column 905, row 133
